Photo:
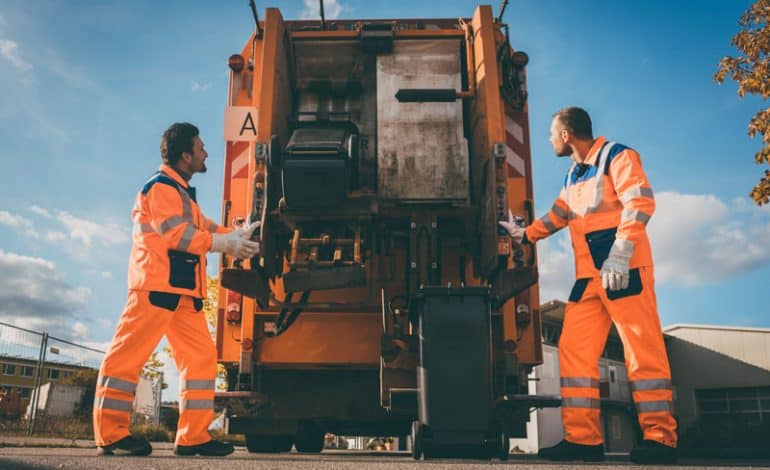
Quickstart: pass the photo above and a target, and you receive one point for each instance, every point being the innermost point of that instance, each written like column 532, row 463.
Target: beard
column 203, row 168
column 565, row 151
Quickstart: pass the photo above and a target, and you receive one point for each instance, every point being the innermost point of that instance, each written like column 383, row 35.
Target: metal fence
column 33, row 397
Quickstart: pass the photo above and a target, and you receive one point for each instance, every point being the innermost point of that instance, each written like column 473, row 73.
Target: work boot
column 653, row 452
column 212, row 448
column 566, row 450
column 129, row 445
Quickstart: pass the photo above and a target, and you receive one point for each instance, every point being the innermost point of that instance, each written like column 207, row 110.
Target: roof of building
column 684, row 326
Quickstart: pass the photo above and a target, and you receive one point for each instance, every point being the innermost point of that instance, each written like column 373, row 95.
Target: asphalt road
column 85, row 458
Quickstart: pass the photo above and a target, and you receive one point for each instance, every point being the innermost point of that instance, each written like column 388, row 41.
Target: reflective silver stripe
column 117, row 384
column 598, row 188
column 634, row 215
column 197, row 404
column 143, row 228
column 650, row 384
column 187, row 237
column 198, row 384
column 105, row 403
column 579, row 382
column 652, row 406
column 548, row 224
column 561, row 213
column 186, row 205
column 170, row 223
column 621, row 246
column 579, row 402
column 213, row 227
column 635, row 193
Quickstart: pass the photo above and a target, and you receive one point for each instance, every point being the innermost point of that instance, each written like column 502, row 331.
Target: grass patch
column 234, row 439
column 152, row 432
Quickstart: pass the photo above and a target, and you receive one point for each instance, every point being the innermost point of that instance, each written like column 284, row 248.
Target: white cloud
column 88, row 232
column 35, row 209
column 9, row 52
column 54, row 236
column 19, row 223
column 312, row 11
column 556, row 267
column 195, row 86
column 106, row 275
column 80, row 330
column 13, row 220
column 35, row 295
column 699, row 238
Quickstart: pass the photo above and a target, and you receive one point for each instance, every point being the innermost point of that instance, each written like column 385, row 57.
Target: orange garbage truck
column 379, row 156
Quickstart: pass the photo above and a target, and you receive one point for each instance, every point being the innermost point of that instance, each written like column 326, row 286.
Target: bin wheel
column 257, row 443
column 417, row 444
column 309, row 437
column 505, row 447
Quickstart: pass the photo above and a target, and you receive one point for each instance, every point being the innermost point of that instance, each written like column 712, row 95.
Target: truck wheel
column 258, row 443
column 309, row 438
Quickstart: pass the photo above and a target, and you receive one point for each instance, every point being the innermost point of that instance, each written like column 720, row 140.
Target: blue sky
column 88, row 87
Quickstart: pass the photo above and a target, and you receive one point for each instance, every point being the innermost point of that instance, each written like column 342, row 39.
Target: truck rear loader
column 379, row 156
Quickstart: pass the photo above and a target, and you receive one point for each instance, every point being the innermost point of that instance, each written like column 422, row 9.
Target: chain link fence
column 47, row 386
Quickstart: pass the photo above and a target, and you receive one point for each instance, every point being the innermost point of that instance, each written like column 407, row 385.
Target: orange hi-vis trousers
column 141, row 327
column 587, row 320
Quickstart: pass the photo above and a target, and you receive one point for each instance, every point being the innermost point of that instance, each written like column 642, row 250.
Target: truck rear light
column 234, row 313
column 247, row 344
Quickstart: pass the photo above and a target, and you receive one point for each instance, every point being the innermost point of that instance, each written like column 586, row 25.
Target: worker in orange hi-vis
column 606, row 201
column 167, row 285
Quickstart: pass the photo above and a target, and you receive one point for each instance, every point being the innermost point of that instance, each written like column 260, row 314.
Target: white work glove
column 237, row 243
column 515, row 226
column 614, row 271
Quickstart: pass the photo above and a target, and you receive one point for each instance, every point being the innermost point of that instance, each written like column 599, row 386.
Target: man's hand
column 515, row 226
column 614, row 271
column 237, row 243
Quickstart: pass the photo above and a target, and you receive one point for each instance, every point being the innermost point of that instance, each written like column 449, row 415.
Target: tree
column 751, row 69
column 153, row 369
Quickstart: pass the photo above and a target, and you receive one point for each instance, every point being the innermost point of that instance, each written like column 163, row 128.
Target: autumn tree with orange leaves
column 751, row 69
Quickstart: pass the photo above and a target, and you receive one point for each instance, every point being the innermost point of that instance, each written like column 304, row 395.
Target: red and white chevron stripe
column 517, row 153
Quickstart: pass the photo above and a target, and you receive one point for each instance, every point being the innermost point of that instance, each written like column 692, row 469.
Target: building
column 19, row 374
column 719, row 372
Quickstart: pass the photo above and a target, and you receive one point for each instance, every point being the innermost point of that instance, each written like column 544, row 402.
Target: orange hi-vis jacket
column 171, row 237
column 606, row 198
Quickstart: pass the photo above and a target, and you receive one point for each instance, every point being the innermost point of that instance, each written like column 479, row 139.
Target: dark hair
column 577, row 121
column 177, row 139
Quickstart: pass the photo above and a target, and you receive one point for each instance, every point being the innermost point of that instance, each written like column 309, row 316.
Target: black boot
column 566, row 450
column 212, row 448
column 653, row 452
column 129, row 445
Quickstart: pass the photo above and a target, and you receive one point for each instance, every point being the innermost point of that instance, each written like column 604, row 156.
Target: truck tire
column 309, row 438
column 258, row 443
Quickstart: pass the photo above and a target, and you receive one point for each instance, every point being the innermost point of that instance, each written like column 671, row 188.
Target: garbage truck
column 379, row 156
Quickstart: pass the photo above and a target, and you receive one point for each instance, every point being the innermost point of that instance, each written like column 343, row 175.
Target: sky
column 88, row 87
